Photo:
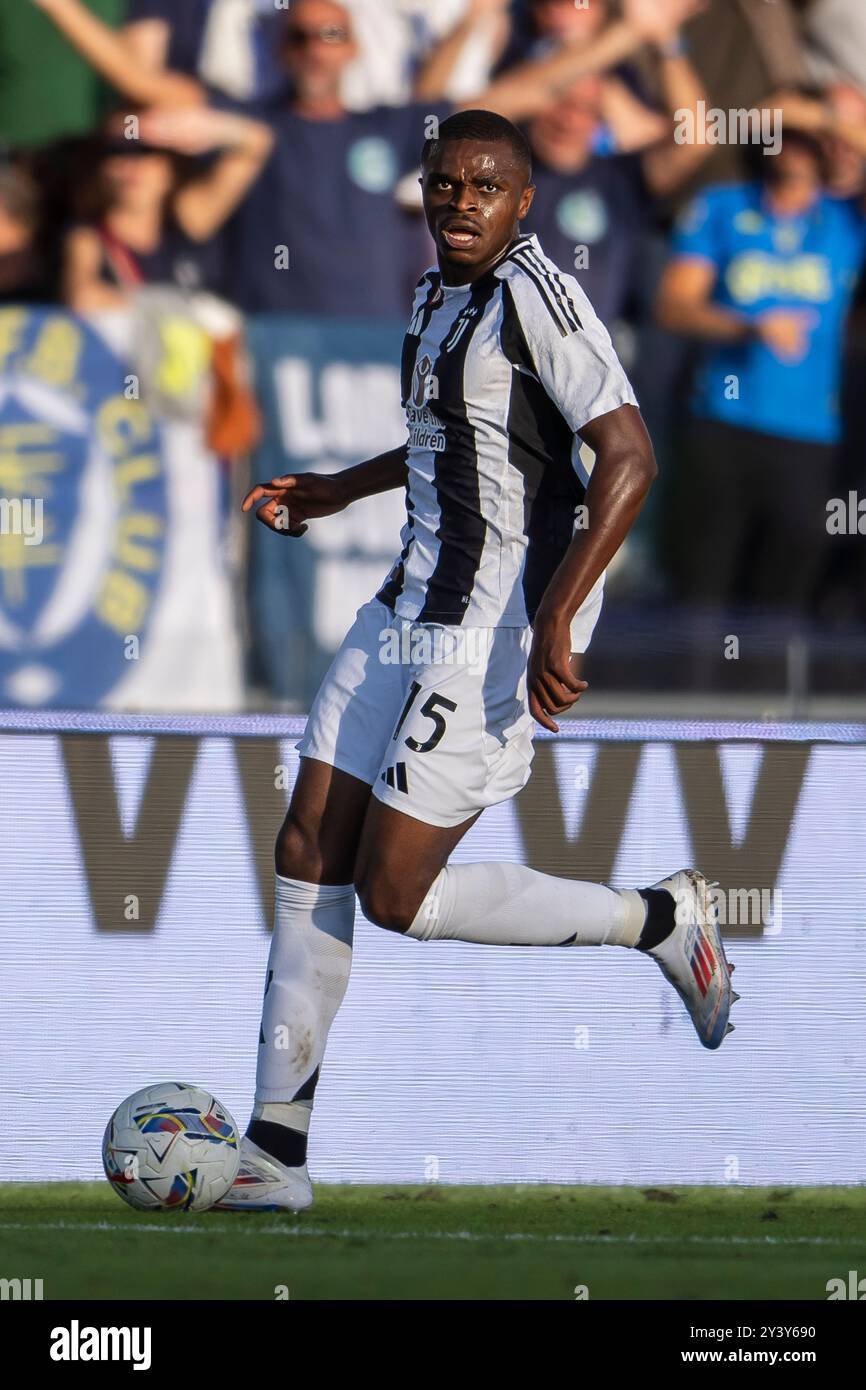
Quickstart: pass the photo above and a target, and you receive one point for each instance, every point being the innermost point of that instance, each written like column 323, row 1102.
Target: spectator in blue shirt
column 762, row 275
column 150, row 213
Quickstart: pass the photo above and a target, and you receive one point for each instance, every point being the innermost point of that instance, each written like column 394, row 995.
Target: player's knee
column 297, row 853
column 385, row 902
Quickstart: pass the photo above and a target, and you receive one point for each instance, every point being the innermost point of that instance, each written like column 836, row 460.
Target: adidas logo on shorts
column 396, row 777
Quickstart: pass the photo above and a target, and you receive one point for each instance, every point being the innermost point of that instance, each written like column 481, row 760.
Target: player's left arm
column 287, row 503
column 624, row 470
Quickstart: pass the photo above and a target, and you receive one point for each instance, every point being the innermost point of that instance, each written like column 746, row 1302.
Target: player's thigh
column 348, row 728
column 318, row 840
column 398, row 859
column 463, row 742
column 353, row 714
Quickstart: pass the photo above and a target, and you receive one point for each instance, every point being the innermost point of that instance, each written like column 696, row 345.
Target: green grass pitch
column 443, row 1242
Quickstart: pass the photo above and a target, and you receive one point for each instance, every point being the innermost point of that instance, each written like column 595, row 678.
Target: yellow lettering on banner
column 12, row 323
column 133, row 471
column 26, row 435
column 16, row 558
column 122, row 602
column 137, row 557
column 27, row 474
column 120, row 424
column 56, row 353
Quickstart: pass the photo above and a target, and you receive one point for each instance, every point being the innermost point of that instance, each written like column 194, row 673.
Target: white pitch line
column 323, row 1232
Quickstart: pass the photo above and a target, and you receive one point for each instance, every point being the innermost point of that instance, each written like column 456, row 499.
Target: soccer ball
column 171, row 1148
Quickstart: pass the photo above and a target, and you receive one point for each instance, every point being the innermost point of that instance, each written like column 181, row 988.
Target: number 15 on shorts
column 431, row 709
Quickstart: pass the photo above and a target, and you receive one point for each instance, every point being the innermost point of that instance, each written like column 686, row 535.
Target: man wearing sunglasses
column 322, row 232
column 326, row 200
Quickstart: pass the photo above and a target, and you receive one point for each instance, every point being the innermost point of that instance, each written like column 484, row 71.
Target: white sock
column 510, row 905
column 308, row 971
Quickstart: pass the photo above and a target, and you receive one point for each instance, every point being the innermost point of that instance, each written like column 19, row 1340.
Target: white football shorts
column 435, row 719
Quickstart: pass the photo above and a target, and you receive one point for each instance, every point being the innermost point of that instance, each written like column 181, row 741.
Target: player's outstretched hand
column 293, row 500
column 553, row 686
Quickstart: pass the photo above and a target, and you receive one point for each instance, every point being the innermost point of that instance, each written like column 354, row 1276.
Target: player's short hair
column 487, row 128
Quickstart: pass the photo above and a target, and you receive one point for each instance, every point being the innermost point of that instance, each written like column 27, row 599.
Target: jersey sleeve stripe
column 558, row 286
column 546, row 294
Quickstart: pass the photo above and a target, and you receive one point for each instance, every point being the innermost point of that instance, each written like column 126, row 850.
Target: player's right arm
column 624, row 470
column 289, row 502
column 569, row 351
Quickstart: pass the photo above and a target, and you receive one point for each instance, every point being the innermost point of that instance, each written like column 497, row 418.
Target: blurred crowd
column 700, row 168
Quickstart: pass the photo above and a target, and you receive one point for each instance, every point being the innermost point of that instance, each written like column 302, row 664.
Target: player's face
column 474, row 196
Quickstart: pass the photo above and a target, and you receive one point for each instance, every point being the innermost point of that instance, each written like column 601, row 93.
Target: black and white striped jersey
column 497, row 378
